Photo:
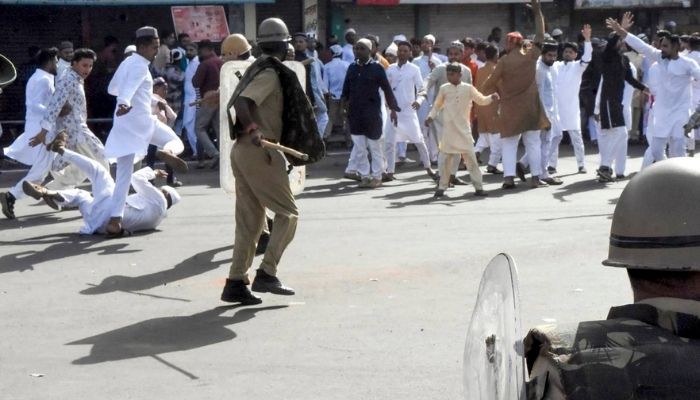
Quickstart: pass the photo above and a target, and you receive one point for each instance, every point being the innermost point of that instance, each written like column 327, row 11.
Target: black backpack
column 299, row 129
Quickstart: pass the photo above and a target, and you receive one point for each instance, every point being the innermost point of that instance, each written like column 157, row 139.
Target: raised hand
column 627, row 20
column 615, row 26
column 586, row 32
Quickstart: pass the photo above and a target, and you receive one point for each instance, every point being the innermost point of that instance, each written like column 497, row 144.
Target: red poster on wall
column 201, row 22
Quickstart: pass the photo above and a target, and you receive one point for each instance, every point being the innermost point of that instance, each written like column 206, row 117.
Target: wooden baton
column 284, row 149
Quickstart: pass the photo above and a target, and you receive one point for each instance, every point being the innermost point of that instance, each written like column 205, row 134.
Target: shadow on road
column 58, row 247
column 46, row 218
column 165, row 335
column 195, row 265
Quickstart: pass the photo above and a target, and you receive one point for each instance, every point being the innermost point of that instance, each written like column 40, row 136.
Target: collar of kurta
column 680, row 316
column 141, row 59
column 360, row 63
column 42, row 72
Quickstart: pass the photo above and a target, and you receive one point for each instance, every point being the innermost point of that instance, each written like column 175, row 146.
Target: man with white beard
column 672, row 105
column 568, row 84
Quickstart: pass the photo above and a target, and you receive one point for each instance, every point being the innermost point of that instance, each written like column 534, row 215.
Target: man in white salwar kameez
column 673, row 97
column 569, row 74
column 405, row 80
column 39, row 90
column 144, row 210
column 191, row 95
column 135, row 127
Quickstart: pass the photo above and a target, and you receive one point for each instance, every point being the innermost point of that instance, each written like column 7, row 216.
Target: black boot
column 266, row 283
column 236, row 291
column 7, row 201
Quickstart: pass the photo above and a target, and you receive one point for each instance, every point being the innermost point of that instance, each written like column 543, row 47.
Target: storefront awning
column 126, row 2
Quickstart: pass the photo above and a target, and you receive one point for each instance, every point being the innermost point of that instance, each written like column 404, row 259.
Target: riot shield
column 230, row 75
column 494, row 365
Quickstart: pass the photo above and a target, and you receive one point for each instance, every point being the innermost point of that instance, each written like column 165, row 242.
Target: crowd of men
column 534, row 88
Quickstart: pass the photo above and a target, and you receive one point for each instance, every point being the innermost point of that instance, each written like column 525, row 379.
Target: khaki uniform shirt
column 266, row 92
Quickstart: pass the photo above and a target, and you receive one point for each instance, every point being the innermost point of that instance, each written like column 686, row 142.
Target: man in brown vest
column 649, row 349
column 521, row 112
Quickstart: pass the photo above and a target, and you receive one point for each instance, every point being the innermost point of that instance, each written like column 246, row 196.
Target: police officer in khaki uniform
column 649, row 349
column 261, row 176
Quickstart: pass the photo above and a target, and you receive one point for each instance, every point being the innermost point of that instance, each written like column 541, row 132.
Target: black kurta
column 615, row 71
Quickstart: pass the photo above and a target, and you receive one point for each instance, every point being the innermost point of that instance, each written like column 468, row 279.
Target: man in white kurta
column 406, row 80
column 454, row 100
column 672, row 105
column 39, row 90
column 568, row 84
column 135, row 127
column 144, row 210
column 427, row 62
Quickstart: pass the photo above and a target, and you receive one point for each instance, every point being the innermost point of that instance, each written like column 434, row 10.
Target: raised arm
column 587, row 47
column 636, row 43
column 539, row 21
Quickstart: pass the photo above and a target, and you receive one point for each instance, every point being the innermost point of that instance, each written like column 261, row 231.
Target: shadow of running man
column 57, row 247
column 157, row 336
column 195, row 265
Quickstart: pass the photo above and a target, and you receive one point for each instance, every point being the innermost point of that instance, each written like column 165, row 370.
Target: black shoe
column 7, row 201
column 439, row 193
column 520, row 171
column 388, row 177
column 552, row 181
column 266, row 283
column 493, row 170
column 262, row 243
column 480, row 193
column 605, row 175
column 620, row 176
column 582, row 170
column 175, row 183
column 237, row 292
column 508, row 183
column 551, row 170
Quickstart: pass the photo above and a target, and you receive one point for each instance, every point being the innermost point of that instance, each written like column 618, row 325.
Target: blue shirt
column 334, row 73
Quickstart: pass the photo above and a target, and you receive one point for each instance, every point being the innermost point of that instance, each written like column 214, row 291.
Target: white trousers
column 163, row 138
column 95, row 207
column 576, row 142
column 657, row 149
column 533, row 148
column 321, row 122
column 37, row 173
column 390, row 150
column 612, row 143
column 362, row 144
column 545, row 141
column 490, row 141
column 188, row 118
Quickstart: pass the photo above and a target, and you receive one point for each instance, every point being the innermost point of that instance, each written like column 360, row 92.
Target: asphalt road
column 386, row 280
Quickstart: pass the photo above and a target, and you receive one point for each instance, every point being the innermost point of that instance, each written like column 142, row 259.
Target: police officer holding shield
column 260, row 174
column 649, row 349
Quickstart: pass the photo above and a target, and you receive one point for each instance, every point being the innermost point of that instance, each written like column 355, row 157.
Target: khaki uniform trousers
column 261, row 183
